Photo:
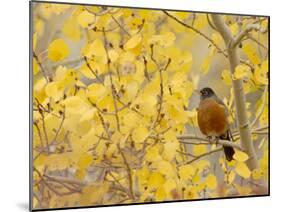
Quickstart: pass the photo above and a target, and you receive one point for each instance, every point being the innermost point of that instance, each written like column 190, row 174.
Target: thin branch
column 60, row 126
column 39, row 133
column 44, row 129
column 196, row 31
column 210, row 23
column 201, row 156
column 113, row 93
column 65, row 180
column 113, row 89
column 93, row 72
column 41, row 66
column 128, row 168
column 206, row 37
column 257, row 42
column 145, row 69
column 121, row 27
column 243, row 34
column 220, row 141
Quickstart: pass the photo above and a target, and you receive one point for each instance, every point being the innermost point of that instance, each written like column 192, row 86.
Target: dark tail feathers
column 228, row 151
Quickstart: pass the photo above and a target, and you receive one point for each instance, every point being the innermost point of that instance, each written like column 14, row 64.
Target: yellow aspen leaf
column 240, row 156
column 85, row 161
column 140, row 134
column 147, row 104
column 164, row 40
column 72, row 101
column 84, row 69
column 229, row 178
column 96, row 91
column 61, row 72
column 165, row 168
column 191, row 192
column 243, row 190
column 241, row 71
column 71, row 29
column 39, row 27
column 205, row 66
column 152, row 154
column 257, row 174
column 170, row 185
column 133, row 42
column 94, row 193
column 176, row 113
column 199, row 149
column 80, row 174
column 251, row 53
column 89, row 115
column 113, row 55
column 131, row 121
column 186, row 172
column 54, row 90
column 58, row 50
column 226, row 77
column 57, row 161
column 83, row 127
column 96, row 48
column 160, row 194
column 155, row 180
column 132, row 89
column 234, row 29
column 261, row 73
column 202, row 164
column 231, row 163
column 211, row 182
column 170, row 150
column 143, row 175
column 242, row 170
column 112, row 148
column 51, row 124
column 85, row 19
column 196, row 178
column 35, row 66
column 170, row 136
column 40, row 162
column 216, row 37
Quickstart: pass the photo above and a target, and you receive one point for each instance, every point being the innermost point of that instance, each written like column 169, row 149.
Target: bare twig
column 244, row 33
column 206, row 37
column 41, row 66
column 92, row 71
column 201, row 156
column 128, row 168
column 121, row 27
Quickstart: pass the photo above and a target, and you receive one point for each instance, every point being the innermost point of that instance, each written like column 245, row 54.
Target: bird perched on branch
column 212, row 119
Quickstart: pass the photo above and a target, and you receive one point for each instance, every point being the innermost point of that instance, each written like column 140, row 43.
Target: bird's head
column 206, row 93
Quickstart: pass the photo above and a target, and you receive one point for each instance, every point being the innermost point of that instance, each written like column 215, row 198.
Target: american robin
column 212, row 119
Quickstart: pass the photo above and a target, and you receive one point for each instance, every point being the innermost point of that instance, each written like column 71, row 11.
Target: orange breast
column 212, row 119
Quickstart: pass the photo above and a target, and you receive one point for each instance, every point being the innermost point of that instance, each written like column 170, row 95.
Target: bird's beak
column 197, row 92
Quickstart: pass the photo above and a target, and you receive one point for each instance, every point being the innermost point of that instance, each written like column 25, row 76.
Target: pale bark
column 239, row 96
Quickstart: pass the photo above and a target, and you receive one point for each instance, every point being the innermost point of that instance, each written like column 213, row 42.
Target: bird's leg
column 209, row 138
column 217, row 140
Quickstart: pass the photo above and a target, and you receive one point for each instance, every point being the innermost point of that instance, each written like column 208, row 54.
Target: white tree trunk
column 239, row 96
